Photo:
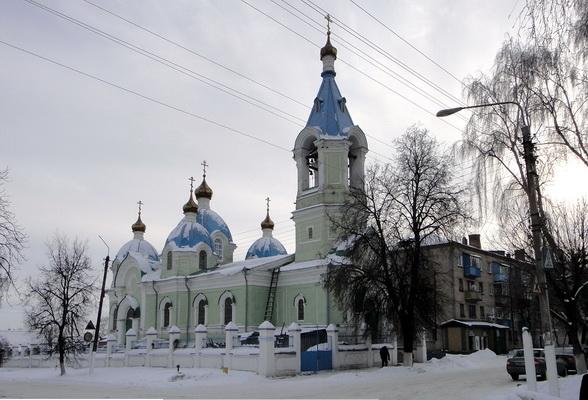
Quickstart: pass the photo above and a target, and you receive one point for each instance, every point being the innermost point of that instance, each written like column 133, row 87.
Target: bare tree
column 12, row 239
column 383, row 271
column 60, row 297
column 569, row 277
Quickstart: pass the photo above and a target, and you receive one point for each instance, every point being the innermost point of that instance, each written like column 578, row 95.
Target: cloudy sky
column 83, row 150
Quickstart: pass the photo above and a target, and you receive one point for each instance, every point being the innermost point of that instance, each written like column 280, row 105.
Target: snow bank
column 479, row 359
column 569, row 389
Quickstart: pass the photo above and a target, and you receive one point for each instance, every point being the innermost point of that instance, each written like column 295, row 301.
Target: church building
column 194, row 279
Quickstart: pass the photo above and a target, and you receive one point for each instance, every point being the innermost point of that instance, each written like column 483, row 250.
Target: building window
column 461, row 285
column 228, row 310
column 166, row 314
column 169, row 260
column 218, row 248
column 471, row 286
column 202, row 260
column 472, row 311
column 201, row 312
column 481, row 287
column 459, row 261
column 475, row 261
column 482, row 313
column 461, row 311
column 310, row 232
column 129, row 320
column 114, row 317
column 301, row 310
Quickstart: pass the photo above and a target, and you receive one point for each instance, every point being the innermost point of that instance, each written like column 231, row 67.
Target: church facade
column 194, row 280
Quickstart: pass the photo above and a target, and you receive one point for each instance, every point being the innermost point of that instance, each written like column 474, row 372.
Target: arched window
column 114, row 317
column 169, row 260
column 201, row 312
column 300, row 309
column 218, row 248
column 129, row 320
column 228, row 310
column 202, row 260
column 166, row 314
column 310, row 232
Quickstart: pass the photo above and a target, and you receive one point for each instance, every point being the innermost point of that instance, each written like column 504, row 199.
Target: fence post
column 174, row 335
column 333, row 338
column 531, row 373
column 370, row 354
column 150, row 337
column 394, row 355
column 110, row 340
column 266, row 349
column 230, row 333
column 30, row 356
column 200, row 337
column 294, row 330
column 131, row 336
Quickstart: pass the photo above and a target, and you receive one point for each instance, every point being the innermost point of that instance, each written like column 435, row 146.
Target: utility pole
column 536, row 230
column 97, row 333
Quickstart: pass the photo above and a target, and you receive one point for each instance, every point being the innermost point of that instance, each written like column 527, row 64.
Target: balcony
column 501, row 299
column 505, row 322
column 500, row 277
column 471, row 271
column 472, row 296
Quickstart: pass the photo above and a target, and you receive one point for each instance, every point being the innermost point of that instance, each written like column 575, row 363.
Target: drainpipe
column 156, row 302
column 246, row 297
column 188, row 319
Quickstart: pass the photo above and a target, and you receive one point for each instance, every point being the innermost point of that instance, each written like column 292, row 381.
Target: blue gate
column 316, row 360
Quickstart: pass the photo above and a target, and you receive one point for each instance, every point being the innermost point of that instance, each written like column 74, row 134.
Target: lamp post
column 536, row 228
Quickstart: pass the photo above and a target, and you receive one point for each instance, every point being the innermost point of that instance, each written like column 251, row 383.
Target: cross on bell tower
column 204, row 165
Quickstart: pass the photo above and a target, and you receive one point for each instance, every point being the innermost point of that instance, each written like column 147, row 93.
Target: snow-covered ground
column 481, row 375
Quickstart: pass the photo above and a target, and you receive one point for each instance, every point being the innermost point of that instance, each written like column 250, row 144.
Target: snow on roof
column 140, row 246
column 146, row 265
column 265, row 247
column 474, row 324
column 305, row 264
column 187, row 235
column 254, row 263
column 153, row 276
column 213, row 222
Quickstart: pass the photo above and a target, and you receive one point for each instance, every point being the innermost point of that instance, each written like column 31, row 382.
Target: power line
column 407, row 42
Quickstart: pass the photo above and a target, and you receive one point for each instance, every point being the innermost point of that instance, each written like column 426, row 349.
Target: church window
column 201, row 312
column 354, row 165
column 169, row 260
column 129, row 320
column 312, row 163
column 317, row 104
column 218, row 248
column 202, row 260
column 310, row 232
column 301, row 310
column 166, row 314
column 114, row 317
column 228, row 310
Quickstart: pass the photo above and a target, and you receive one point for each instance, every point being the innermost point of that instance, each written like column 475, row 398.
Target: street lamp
column 536, row 227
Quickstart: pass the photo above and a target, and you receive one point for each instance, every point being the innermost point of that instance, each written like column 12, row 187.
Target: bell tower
column 330, row 157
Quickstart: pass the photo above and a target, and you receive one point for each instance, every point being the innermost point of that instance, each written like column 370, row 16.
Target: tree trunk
column 61, row 348
column 408, row 334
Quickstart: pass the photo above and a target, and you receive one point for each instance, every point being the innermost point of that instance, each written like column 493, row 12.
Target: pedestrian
column 384, row 356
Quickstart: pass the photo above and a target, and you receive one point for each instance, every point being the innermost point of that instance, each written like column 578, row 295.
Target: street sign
column 547, row 258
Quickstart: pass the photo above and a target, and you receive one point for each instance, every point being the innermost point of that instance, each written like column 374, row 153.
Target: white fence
column 264, row 359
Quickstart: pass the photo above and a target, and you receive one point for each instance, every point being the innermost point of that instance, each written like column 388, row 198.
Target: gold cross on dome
column 191, row 179
column 204, row 165
column 267, row 201
column 140, row 203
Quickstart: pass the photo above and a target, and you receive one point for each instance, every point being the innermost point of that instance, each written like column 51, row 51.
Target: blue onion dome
column 267, row 245
column 188, row 233
column 213, row 222
column 138, row 244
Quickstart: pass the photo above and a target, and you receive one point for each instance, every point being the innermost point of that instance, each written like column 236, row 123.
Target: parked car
column 515, row 366
column 566, row 356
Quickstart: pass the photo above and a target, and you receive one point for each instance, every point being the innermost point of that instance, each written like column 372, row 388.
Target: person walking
column 384, row 356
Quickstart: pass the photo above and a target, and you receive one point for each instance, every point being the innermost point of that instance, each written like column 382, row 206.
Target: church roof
column 213, row 222
column 265, row 247
column 140, row 246
column 187, row 235
column 329, row 113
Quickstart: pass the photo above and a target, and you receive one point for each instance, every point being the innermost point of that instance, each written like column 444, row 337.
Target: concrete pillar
column 370, row 354
column 131, row 337
column 135, row 325
column 200, row 334
column 294, row 331
column 231, row 332
column 394, row 350
column 333, row 338
column 110, row 341
column 531, row 373
column 421, row 348
column 30, row 356
column 266, row 349
column 121, row 324
column 174, row 334
column 150, row 337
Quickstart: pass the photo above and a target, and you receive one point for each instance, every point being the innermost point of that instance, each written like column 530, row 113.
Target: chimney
column 464, row 240
column 474, row 240
column 520, row 255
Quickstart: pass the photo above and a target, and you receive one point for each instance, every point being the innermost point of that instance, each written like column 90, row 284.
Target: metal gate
column 316, row 360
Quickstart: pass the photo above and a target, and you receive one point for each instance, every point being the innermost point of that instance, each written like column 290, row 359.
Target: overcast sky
column 81, row 153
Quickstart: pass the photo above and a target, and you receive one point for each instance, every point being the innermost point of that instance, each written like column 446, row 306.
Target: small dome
column 267, row 223
column 203, row 190
column 265, row 247
column 328, row 49
column 140, row 246
column 188, row 234
column 190, row 206
column 138, row 226
column 213, row 222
